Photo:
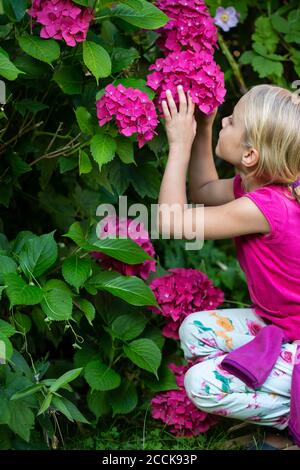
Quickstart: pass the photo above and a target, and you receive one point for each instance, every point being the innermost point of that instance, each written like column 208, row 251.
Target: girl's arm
column 238, row 217
column 205, row 187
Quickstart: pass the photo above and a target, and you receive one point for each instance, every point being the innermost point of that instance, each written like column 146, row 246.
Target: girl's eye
column 230, row 119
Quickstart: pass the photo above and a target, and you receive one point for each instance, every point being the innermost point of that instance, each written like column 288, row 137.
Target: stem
column 233, row 64
column 235, row 302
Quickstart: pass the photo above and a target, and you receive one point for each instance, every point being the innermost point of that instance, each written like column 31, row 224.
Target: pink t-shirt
column 271, row 262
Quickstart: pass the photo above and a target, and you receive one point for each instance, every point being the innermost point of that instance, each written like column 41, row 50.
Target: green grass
column 122, row 434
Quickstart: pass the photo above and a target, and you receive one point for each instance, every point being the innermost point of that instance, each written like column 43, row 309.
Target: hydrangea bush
column 89, row 322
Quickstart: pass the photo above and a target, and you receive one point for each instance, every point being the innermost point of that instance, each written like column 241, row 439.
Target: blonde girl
column 260, row 209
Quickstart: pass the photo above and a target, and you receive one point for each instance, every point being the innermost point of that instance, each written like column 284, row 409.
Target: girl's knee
column 196, row 390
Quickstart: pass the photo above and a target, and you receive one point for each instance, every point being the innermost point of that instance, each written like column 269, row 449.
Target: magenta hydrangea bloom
column 132, row 109
column 226, row 18
column 62, row 19
column 197, row 72
column 191, row 26
column 182, row 292
column 113, row 226
column 175, row 409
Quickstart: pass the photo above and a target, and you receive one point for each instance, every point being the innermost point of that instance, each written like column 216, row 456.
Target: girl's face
column 229, row 146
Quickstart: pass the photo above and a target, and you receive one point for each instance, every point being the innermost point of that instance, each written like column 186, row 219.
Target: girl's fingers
column 191, row 104
column 182, row 100
column 171, row 103
column 166, row 110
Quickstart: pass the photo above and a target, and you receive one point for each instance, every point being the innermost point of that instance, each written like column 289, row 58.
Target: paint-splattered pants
column 206, row 337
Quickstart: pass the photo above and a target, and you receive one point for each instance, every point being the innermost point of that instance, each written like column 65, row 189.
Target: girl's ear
column 250, row 158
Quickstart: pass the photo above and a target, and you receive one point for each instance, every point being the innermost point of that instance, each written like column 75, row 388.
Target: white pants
column 206, row 337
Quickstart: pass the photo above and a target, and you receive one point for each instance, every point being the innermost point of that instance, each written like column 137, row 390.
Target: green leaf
column 46, row 50
column 140, row 13
column 22, row 322
column 76, row 270
column 67, row 408
column 267, row 68
column 6, row 348
column 76, row 234
column 21, row 419
column 265, row 34
column 27, row 391
column 145, row 180
column 38, row 255
column 7, row 265
column 166, row 381
column 7, row 329
column 122, row 58
column 280, row 24
column 57, row 304
column 65, row 379
column 145, row 354
column 45, row 404
column 29, row 105
column 125, row 150
column 96, row 59
column 85, row 165
column 135, row 83
column 127, row 327
column 129, row 288
column 20, row 293
column 70, row 79
column 98, row 403
column 87, row 308
column 84, row 120
column 100, row 377
column 123, row 249
column 15, row 9
column 7, row 68
column 124, row 399
column 103, row 148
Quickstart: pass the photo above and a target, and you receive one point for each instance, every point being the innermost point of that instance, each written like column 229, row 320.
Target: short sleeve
column 237, row 186
column 271, row 203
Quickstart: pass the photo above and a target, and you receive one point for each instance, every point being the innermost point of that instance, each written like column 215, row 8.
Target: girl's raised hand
column 181, row 124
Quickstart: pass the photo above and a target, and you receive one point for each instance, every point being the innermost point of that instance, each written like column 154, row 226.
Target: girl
column 260, row 208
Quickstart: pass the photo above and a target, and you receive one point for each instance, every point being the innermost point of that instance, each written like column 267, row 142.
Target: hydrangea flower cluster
column 188, row 41
column 176, row 410
column 132, row 109
column 62, row 19
column 191, row 26
column 196, row 72
column 113, row 226
column 182, row 292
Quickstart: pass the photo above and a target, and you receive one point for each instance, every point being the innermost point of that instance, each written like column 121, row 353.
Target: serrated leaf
column 38, row 254
column 7, row 68
column 145, row 354
column 101, row 377
column 140, row 13
column 70, row 79
column 124, row 399
column 41, row 49
column 76, row 270
column 7, row 329
column 21, row 419
column 19, row 292
column 6, row 348
column 87, row 308
column 7, row 265
column 103, row 148
column 126, row 249
column 98, row 402
column 96, row 59
column 125, row 150
column 127, row 327
column 57, row 304
column 84, row 120
column 129, row 288
column 85, row 165
column 68, row 408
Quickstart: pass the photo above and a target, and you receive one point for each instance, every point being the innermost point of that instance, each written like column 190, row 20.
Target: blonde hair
column 272, row 119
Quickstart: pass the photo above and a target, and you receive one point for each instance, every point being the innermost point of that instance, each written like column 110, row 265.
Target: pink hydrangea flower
column 62, row 19
column 112, row 226
column 132, row 109
column 191, row 26
column 175, row 409
column 197, row 72
column 183, row 291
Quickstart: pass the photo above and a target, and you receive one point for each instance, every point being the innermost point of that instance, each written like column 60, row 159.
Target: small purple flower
column 226, row 18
